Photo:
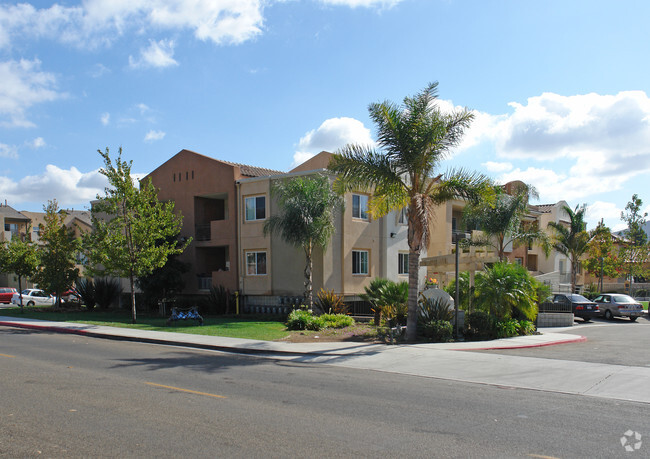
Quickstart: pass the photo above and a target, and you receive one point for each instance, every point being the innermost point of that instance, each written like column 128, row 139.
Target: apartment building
column 224, row 207
column 15, row 224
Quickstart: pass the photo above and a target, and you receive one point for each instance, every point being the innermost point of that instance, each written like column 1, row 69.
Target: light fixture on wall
column 393, row 234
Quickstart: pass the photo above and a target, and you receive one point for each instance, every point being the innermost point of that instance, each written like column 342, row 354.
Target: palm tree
column 571, row 241
column 503, row 222
column 413, row 139
column 307, row 206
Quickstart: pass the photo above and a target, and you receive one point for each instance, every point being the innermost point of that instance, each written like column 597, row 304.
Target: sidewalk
column 432, row 360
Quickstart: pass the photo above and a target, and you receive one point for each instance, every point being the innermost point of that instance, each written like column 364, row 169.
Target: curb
column 580, row 339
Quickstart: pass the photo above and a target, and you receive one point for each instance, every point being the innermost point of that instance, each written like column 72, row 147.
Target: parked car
column 70, row 296
column 580, row 306
column 32, row 296
column 6, row 293
column 617, row 305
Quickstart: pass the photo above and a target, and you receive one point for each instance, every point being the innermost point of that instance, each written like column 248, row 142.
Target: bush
column 431, row 309
column 526, row 327
column 107, row 292
column 330, row 303
column 437, row 330
column 86, row 290
column 507, row 328
column 479, row 325
column 302, row 320
column 336, row 321
column 218, row 301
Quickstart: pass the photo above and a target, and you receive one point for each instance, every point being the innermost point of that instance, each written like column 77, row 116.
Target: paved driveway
column 617, row 342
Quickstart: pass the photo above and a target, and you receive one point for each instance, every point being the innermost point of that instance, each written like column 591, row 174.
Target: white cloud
column 605, row 210
column 363, row 3
column 159, row 54
column 105, row 118
column 100, row 22
column 8, row 151
column 23, row 85
column 67, row 186
column 331, row 135
column 154, row 135
column 38, row 142
column 493, row 166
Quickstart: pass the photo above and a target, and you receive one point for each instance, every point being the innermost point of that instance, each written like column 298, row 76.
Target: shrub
column 507, row 328
column 373, row 296
column 394, row 297
column 437, row 330
column 336, row 320
column 526, row 327
column 302, row 320
column 330, row 303
column 505, row 287
column 86, row 290
column 479, row 325
column 431, row 309
column 107, row 292
column 218, row 301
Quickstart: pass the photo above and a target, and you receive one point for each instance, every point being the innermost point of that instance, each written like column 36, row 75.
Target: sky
column 559, row 89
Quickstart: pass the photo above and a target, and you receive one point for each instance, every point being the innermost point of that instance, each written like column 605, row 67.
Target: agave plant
column 86, row 290
column 107, row 292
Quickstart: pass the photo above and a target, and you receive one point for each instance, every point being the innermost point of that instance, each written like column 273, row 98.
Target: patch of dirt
column 358, row 333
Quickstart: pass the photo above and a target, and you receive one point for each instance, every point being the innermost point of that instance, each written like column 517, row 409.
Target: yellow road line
column 185, row 390
column 7, row 355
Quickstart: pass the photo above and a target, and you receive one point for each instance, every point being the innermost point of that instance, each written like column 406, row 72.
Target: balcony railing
column 202, row 232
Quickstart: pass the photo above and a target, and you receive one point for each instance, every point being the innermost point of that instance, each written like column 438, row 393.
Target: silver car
column 617, row 305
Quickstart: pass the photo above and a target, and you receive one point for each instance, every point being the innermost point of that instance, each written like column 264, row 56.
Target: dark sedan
column 581, row 306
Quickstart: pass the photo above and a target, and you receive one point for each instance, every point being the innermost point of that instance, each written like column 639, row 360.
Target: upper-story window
column 255, row 208
column 360, row 262
column 403, row 218
column 256, row 263
column 402, row 263
column 360, row 206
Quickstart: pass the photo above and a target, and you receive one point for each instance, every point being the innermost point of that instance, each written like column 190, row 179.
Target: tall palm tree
column 503, row 222
column 413, row 139
column 571, row 241
column 307, row 206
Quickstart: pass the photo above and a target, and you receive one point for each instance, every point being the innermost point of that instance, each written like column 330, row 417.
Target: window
column 402, row 263
column 519, row 261
column 403, row 218
column 360, row 206
column 360, row 262
column 256, row 263
column 256, row 208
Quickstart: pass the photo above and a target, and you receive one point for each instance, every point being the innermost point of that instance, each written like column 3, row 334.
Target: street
column 72, row 396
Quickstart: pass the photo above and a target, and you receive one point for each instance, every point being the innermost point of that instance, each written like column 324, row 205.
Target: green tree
column 164, row 282
column 20, row 257
column 134, row 233
column 635, row 222
column 571, row 241
column 502, row 222
column 603, row 257
column 413, row 139
column 505, row 287
column 57, row 253
column 305, row 219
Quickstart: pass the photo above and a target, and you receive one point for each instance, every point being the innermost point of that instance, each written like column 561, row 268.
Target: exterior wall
column 395, row 240
column 187, row 179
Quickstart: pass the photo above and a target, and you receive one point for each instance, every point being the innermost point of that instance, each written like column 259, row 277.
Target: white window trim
column 246, row 198
column 362, row 198
column 361, row 251
column 256, row 252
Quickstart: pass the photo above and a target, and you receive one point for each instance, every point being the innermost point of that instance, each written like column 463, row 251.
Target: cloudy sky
column 559, row 88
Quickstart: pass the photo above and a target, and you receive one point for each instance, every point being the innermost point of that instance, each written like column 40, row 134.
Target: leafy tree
column 20, row 257
column 305, row 219
column 134, row 233
column 602, row 254
column 502, row 222
column 57, row 253
column 505, row 287
column 635, row 222
column 571, row 241
column 164, row 282
column 413, row 139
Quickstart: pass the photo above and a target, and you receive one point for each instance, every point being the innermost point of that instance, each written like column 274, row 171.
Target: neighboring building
column 15, row 224
column 224, row 207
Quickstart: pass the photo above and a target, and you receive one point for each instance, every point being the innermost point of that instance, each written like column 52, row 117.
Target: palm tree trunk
column 412, row 318
column 309, row 291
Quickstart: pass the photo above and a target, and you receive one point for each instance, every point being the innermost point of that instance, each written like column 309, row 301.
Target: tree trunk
column 133, row 314
column 309, row 291
column 20, row 292
column 412, row 318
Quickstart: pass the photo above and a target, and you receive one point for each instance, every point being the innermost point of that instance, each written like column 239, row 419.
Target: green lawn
column 645, row 305
column 249, row 327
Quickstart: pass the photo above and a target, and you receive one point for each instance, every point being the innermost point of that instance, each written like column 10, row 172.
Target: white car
column 32, row 296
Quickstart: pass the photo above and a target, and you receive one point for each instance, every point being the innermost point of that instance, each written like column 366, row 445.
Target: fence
column 549, row 306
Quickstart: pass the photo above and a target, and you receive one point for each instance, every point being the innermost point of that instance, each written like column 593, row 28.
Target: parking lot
column 615, row 342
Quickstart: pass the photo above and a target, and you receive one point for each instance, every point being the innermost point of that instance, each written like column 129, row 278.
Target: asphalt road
column 616, row 342
column 71, row 396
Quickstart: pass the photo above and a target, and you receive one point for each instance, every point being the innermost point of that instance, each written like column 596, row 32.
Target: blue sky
column 559, row 89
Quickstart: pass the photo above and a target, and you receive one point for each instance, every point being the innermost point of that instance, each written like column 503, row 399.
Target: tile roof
column 10, row 212
column 252, row 171
column 544, row 208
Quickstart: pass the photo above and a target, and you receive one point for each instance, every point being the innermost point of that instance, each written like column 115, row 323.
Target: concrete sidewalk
column 432, row 360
